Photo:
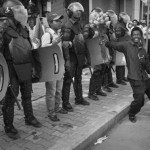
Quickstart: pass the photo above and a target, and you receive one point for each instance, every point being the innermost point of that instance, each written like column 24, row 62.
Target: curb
column 103, row 129
column 84, row 137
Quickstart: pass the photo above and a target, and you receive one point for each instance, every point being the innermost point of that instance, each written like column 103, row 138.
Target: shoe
column 132, row 119
column 12, row 133
column 101, row 93
column 32, row 121
column 107, row 89
column 62, row 111
column 67, row 107
column 53, row 118
column 125, row 79
column 113, row 85
column 81, row 101
column 121, row 82
column 93, row 97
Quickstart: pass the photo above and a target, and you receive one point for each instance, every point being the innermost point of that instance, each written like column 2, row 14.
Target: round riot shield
column 4, row 76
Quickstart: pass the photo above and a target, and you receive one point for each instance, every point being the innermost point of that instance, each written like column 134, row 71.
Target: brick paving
column 71, row 128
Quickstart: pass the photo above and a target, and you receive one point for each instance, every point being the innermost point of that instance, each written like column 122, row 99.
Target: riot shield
column 52, row 63
column 95, row 51
column 4, row 76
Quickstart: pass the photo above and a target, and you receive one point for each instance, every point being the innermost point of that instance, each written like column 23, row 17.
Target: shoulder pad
column 25, row 32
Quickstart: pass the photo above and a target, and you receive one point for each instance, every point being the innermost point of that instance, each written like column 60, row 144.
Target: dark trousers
column 107, row 78
column 139, row 89
column 96, row 80
column 76, row 72
column 120, row 73
column 8, row 106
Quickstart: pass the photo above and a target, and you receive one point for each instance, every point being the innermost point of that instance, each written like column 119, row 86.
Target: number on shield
column 1, row 78
column 56, row 63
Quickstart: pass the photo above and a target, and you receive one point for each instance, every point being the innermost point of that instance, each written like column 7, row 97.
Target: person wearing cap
column 53, row 88
column 75, row 55
column 138, row 65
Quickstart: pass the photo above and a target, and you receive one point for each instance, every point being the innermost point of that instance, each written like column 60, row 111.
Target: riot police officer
column 75, row 55
column 16, row 48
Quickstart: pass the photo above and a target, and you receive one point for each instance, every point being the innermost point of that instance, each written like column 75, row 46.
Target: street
column 129, row 136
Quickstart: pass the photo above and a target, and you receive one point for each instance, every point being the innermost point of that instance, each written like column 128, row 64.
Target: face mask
column 20, row 14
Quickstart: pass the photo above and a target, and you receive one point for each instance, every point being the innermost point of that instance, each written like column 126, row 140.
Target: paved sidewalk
column 76, row 129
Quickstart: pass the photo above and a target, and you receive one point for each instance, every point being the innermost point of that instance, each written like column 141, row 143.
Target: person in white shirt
column 53, row 88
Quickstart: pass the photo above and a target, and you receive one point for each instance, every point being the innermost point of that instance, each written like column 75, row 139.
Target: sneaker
column 12, row 132
column 53, row 118
column 113, row 85
column 93, row 97
column 32, row 121
column 67, row 107
column 132, row 119
column 81, row 101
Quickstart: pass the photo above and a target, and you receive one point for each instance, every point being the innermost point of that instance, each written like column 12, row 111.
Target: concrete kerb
column 82, row 138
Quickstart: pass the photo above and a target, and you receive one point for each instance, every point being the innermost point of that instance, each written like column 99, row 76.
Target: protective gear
column 124, row 17
column 113, row 17
column 74, row 10
column 20, row 14
column 76, row 6
column 19, row 49
column 16, row 10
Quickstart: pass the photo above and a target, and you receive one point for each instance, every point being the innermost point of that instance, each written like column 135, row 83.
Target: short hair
column 137, row 29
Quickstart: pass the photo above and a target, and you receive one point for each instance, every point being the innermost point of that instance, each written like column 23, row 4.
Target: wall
column 107, row 4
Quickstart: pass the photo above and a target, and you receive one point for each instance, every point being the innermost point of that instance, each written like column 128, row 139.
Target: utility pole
column 148, row 7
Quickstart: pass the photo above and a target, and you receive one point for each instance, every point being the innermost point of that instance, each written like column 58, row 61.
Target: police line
column 52, row 63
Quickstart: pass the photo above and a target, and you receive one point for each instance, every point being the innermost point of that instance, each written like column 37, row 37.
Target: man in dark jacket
column 16, row 47
column 75, row 55
column 138, row 66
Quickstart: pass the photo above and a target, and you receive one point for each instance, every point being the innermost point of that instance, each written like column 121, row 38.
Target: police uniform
column 16, row 48
column 75, row 55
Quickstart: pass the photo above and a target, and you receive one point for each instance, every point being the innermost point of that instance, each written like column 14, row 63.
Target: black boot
column 121, row 82
column 81, row 101
column 113, row 85
column 101, row 93
column 32, row 121
column 67, row 106
column 93, row 97
column 107, row 89
column 11, row 132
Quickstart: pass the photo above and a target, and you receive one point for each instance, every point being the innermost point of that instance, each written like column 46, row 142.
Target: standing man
column 121, row 35
column 75, row 55
column 16, row 48
column 138, row 66
column 53, row 88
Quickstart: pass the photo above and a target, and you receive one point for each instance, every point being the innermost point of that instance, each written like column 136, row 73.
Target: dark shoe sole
column 34, row 125
column 13, row 136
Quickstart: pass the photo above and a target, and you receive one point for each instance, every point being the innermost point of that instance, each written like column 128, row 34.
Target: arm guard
column 66, row 31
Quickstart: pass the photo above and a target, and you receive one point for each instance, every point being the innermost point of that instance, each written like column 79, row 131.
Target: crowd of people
column 114, row 33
